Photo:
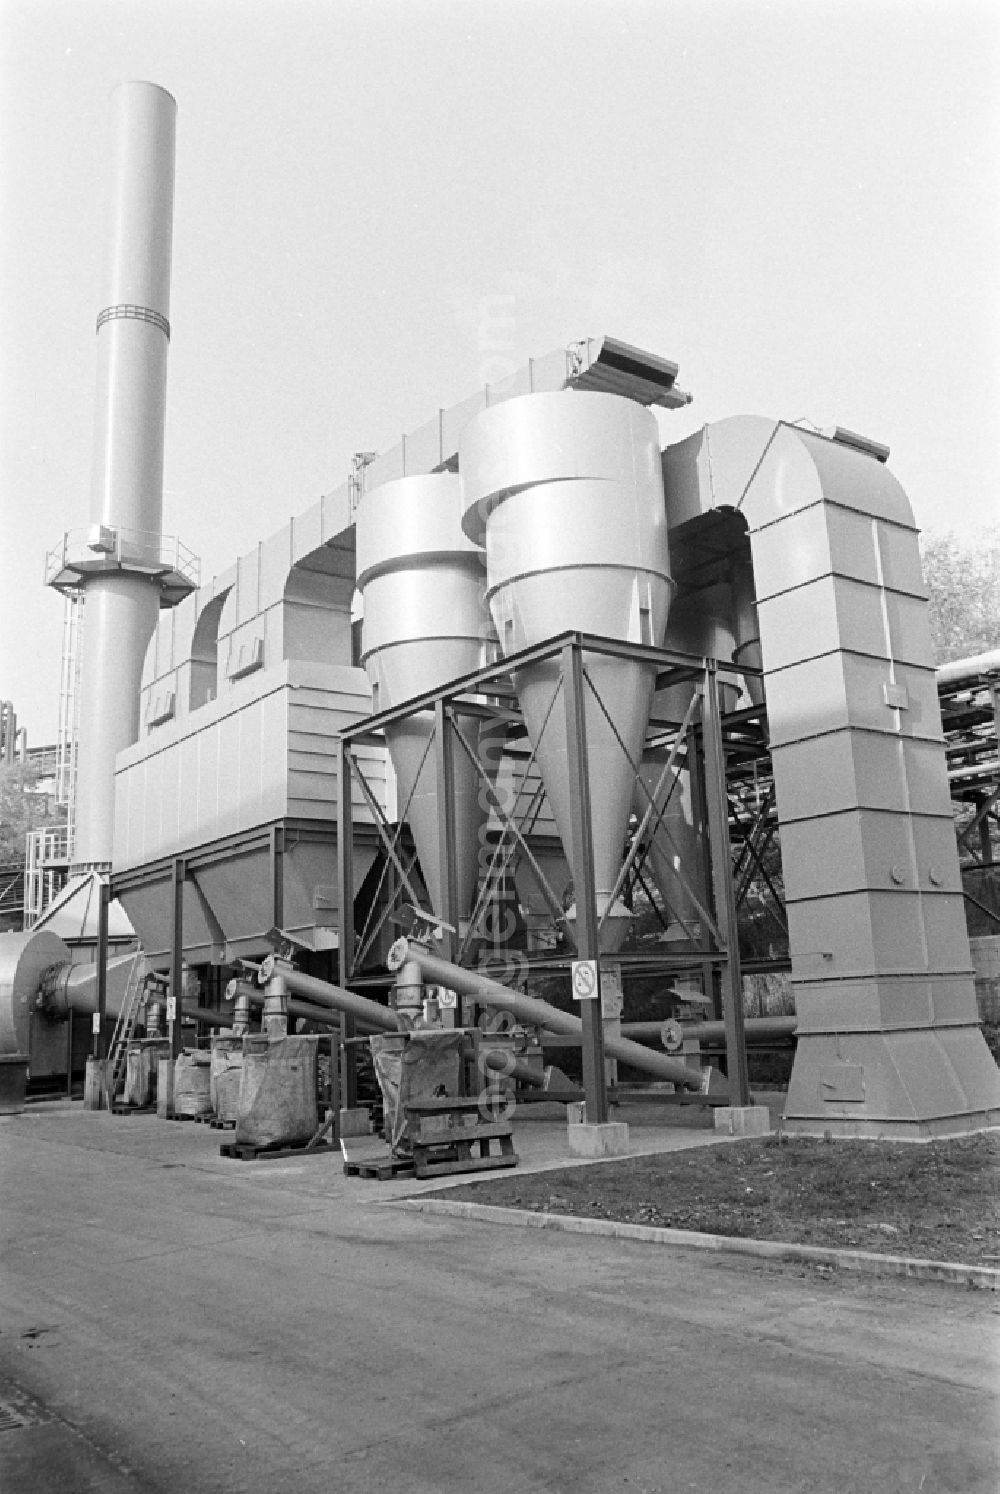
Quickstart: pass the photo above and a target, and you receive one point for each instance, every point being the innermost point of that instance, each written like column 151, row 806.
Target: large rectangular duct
column 888, row 1036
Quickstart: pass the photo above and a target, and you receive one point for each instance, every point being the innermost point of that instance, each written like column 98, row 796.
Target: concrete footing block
column 95, row 1084
column 608, row 1140
column 165, row 1088
column 356, row 1122
column 13, row 1082
column 743, row 1120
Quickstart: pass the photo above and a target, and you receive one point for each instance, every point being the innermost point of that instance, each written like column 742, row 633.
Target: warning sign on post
column 584, row 980
column 171, row 1008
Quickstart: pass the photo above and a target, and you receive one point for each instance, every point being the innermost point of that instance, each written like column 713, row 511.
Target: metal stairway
column 125, row 1027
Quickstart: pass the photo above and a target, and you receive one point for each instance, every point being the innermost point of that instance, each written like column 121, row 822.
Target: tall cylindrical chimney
column 133, row 332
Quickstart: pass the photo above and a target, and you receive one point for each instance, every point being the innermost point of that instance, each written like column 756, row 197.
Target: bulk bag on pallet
column 192, row 1081
column 419, row 1065
column 226, row 1072
column 277, row 1104
column 141, row 1064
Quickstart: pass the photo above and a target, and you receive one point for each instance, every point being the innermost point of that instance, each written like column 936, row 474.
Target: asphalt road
column 173, row 1321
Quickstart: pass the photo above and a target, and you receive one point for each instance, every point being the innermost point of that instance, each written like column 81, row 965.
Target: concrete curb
column 986, row 1278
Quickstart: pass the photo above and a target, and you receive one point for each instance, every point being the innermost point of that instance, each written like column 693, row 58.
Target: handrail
column 81, row 547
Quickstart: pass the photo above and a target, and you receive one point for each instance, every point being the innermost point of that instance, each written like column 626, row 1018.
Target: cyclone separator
column 425, row 624
column 565, row 491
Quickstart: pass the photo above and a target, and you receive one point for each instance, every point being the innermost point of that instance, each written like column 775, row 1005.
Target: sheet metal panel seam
column 931, row 816
column 850, row 653
column 851, row 728
column 833, row 574
column 213, row 713
column 830, row 503
column 879, row 733
column 238, row 843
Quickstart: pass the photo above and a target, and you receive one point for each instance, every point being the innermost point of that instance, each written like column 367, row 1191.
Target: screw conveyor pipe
column 203, row 1014
column 323, row 993
column 530, row 1009
column 303, row 1009
column 327, row 1016
column 503, row 1062
column 757, row 1029
column 327, row 1013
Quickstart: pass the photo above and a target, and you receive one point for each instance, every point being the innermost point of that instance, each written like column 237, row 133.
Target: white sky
column 796, row 201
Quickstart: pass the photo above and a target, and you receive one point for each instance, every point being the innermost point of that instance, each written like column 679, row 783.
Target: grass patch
column 936, row 1201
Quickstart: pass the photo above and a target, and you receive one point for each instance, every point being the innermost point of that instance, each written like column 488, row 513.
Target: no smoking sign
column 584, row 980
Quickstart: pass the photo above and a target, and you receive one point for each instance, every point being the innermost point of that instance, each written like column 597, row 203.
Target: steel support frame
column 364, row 939
column 178, row 875
column 69, row 1054
column 354, row 773
column 759, row 833
column 447, row 865
column 100, row 1046
column 517, row 832
column 641, row 840
column 985, row 808
column 344, row 1073
column 699, row 799
column 276, row 858
column 728, row 974
column 381, row 826
column 595, row 1085
column 494, row 679
column 762, row 827
column 452, row 699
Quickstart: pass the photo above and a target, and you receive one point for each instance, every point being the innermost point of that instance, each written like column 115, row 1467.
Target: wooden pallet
column 451, row 1135
column 391, row 1167
column 369, row 1157
column 460, row 1156
column 221, row 1125
column 245, row 1151
column 118, row 1109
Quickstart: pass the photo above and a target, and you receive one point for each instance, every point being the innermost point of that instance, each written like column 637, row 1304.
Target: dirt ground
column 939, row 1201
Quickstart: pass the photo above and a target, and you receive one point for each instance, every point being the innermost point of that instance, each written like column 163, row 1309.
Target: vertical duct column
column 133, row 332
column 888, row 1035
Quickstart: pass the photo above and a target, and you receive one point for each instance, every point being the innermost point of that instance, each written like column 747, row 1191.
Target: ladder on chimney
column 69, row 711
column 125, row 1026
